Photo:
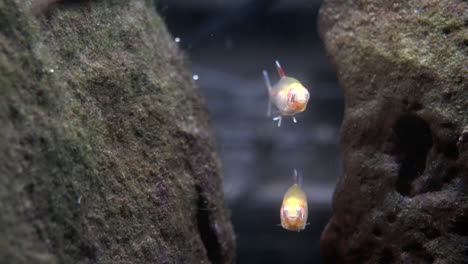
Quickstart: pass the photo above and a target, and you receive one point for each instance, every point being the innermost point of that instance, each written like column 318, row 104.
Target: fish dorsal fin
column 296, row 177
column 280, row 70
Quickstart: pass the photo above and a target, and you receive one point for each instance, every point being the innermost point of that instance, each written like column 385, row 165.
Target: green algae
column 399, row 60
column 103, row 139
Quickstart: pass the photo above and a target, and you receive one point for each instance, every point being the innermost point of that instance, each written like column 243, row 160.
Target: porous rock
column 403, row 69
column 106, row 153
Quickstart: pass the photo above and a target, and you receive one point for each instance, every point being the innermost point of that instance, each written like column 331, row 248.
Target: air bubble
column 195, row 77
column 177, row 39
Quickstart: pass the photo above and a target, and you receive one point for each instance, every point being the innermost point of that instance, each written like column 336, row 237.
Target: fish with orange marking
column 288, row 95
column 294, row 211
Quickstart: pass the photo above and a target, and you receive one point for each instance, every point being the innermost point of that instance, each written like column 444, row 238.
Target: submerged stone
column 106, row 155
column 403, row 69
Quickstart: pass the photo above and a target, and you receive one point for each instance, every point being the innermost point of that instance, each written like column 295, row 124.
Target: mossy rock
column 105, row 145
column 403, row 68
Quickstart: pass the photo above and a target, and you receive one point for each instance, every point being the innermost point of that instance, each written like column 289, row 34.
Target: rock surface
column 403, row 69
column 106, row 154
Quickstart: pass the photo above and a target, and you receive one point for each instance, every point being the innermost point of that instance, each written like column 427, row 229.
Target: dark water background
column 229, row 43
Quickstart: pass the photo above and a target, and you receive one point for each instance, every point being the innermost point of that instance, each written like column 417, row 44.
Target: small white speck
column 56, row 67
column 79, row 200
column 51, row 70
column 195, row 77
column 177, row 39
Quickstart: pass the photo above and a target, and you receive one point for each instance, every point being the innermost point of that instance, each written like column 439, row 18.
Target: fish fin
column 278, row 118
column 266, row 77
column 297, row 177
column 280, row 70
column 267, row 81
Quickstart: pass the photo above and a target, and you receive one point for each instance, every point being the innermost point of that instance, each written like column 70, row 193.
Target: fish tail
column 280, row 69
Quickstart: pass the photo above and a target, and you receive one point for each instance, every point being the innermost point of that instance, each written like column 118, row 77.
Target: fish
column 288, row 95
column 294, row 210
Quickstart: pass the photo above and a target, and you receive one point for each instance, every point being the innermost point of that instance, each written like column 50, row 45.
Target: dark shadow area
column 460, row 225
column 387, row 256
column 415, row 140
column 208, row 235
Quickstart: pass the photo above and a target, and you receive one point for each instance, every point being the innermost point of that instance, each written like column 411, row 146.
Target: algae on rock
column 403, row 69
column 106, row 153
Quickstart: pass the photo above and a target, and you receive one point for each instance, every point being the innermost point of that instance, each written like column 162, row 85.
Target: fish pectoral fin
column 266, row 78
column 280, row 69
column 278, row 118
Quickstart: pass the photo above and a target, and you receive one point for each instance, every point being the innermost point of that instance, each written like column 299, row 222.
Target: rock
column 403, row 69
column 106, row 153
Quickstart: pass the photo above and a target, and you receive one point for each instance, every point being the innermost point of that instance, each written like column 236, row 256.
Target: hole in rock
column 460, row 225
column 391, row 217
column 414, row 141
column 387, row 256
column 412, row 247
column 451, row 152
column 431, row 232
column 449, row 175
column 376, row 231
